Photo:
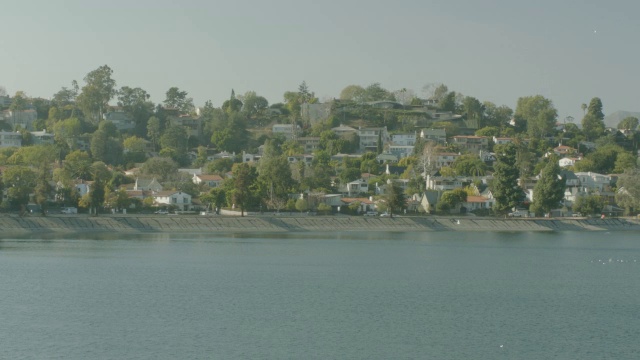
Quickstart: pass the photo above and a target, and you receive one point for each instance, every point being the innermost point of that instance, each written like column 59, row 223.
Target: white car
column 162, row 212
column 371, row 213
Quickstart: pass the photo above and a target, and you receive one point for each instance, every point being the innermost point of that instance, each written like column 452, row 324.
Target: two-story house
column 439, row 136
column 10, row 139
column 370, row 137
column 471, row 143
column 175, row 198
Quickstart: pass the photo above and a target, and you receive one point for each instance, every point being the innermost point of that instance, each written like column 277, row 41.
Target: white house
column 568, row 161
column 210, row 180
column 369, row 138
column 287, row 130
column 594, row 181
column 403, row 139
column 147, row 185
column 355, row 187
column 478, row 202
column 445, row 159
column 178, row 199
column 10, row 139
column 442, row 183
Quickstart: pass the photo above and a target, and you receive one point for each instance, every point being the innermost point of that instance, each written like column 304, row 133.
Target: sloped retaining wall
column 177, row 224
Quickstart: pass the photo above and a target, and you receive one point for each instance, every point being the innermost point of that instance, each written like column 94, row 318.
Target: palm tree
column 584, row 108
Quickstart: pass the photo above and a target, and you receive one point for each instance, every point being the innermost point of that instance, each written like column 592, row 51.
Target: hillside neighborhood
column 368, row 151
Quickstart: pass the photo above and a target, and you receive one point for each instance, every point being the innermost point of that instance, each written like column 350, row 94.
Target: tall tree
column 177, row 99
column 135, row 102
column 628, row 194
column 43, row 187
column 549, row 190
column 448, row 102
column 244, row 177
column 154, row 131
column 505, row 187
column 100, row 88
column 19, row 182
column 593, row 121
column 275, row 178
column 19, row 102
column 253, row 104
column 352, row 93
column 538, row 113
column 395, row 198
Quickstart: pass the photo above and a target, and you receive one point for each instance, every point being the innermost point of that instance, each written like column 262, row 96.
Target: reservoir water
column 383, row 295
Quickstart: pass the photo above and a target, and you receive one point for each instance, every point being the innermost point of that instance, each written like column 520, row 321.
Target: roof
column 352, row 200
column 476, row 199
column 168, row 193
column 210, row 177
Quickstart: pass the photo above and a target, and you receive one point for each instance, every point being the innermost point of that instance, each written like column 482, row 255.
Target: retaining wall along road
column 203, row 224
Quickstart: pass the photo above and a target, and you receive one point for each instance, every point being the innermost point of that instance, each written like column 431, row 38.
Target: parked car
column 69, row 210
column 519, row 213
column 384, row 214
column 371, row 213
column 162, row 212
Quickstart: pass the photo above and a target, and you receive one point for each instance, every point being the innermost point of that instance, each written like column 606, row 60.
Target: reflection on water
column 376, row 295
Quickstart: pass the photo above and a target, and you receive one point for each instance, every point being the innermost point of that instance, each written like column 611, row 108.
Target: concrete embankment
column 206, row 224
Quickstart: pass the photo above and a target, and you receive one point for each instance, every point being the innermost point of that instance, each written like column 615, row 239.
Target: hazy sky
column 494, row 50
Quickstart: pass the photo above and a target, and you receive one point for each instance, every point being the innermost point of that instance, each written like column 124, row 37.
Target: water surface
column 321, row 295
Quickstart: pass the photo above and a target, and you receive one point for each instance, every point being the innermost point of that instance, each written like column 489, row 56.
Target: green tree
column 505, row 187
column 593, row 121
column 394, row 198
column 538, row 113
column 219, row 166
column 628, row 194
column 66, row 131
column 628, row 123
column 135, row 102
column 96, row 94
column 19, row 182
column 275, row 178
column 215, row 198
column 352, row 93
column 375, row 92
column 153, row 131
column 244, row 178
column 160, row 167
column 19, row 102
column 450, row 199
column 549, row 190
column 77, row 165
column 448, row 102
column 469, row 165
column 496, row 116
column 43, row 187
column 177, row 99
column 253, row 104
column 588, row 205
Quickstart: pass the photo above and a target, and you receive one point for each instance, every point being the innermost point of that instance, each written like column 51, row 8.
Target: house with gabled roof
column 173, row 198
column 438, row 136
column 147, row 184
column 478, row 202
column 429, row 200
column 365, row 204
column 211, row 181
column 564, row 150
